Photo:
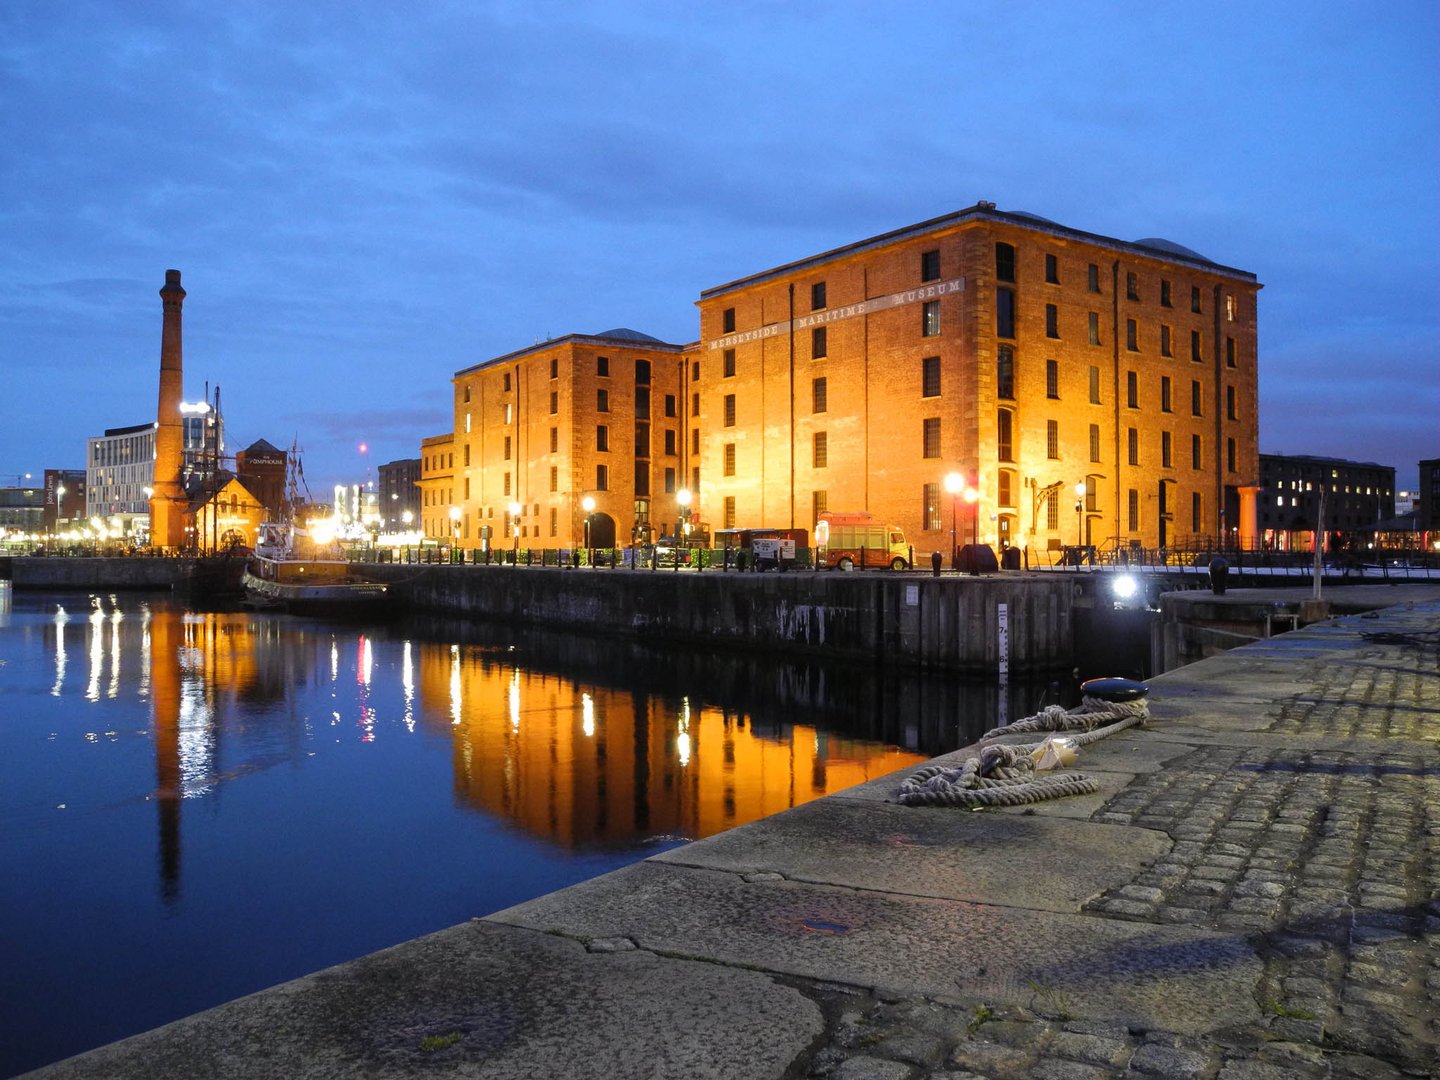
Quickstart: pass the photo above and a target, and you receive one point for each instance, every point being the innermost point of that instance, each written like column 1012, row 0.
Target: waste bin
column 1010, row 559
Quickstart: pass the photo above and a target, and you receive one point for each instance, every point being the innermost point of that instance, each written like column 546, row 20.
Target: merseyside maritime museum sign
column 849, row 311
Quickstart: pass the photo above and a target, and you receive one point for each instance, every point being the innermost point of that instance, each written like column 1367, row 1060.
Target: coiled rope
column 1004, row 774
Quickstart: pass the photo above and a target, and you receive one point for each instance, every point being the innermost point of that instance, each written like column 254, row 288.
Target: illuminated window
column 729, row 410
column 817, row 342
column 930, row 506
column 729, row 466
column 930, row 319
column 1052, row 270
column 822, row 450
column 1052, row 439
column 930, row 437
column 1052, row 378
column 930, row 266
column 1092, row 324
column 1229, row 308
column 817, row 296
column 727, row 369
column 930, row 377
column 1052, row 321
column 1005, row 373
column 819, row 396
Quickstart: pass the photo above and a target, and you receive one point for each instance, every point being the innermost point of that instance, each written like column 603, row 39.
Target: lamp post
column 455, row 531
column 514, row 509
column 683, row 498
column 954, row 484
column 1079, row 519
column 588, row 505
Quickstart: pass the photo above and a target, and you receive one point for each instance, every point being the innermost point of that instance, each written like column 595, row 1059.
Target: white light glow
column 1124, row 586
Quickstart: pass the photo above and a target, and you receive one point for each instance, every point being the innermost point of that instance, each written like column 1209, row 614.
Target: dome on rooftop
column 623, row 333
column 1157, row 243
column 1032, row 217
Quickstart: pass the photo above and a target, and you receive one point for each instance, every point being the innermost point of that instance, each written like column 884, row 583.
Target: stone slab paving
column 1254, row 893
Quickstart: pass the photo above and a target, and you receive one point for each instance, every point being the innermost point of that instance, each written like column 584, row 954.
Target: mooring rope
column 1004, row 774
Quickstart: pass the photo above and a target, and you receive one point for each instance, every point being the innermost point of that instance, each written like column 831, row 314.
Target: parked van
column 850, row 540
column 769, row 548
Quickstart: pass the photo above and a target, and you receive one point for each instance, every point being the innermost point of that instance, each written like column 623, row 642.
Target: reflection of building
column 602, row 416
column 591, row 765
column 400, row 495
column 1358, row 495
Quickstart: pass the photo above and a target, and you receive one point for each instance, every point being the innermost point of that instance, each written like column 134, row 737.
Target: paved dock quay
column 1253, row 892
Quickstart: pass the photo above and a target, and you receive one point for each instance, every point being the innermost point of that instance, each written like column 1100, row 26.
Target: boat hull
column 315, row 598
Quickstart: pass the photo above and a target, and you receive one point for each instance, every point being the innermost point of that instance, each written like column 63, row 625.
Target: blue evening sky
column 365, row 197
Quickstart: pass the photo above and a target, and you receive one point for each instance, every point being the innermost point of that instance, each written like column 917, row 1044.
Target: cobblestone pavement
column 1321, row 849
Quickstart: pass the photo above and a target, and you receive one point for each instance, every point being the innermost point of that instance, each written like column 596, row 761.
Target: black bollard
column 935, row 563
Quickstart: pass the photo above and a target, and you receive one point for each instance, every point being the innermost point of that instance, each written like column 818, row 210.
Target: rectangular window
column 930, row 266
column 1132, row 287
column 1004, row 435
column 1052, row 439
column 1165, row 346
column 1092, row 322
column 1229, row 307
column 1132, row 505
column 505, row 452
column 1004, row 262
column 729, row 511
column 1052, row 270
column 819, row 504
column 727, row 321
column 554, row 369
column 602, row 400
column 930, row 319
column 1195, row 409
column 505, row 382
column 1052, row 321
column 818, row 395
column 1230, row 455
column 642, row 439
column 930, row 437
column 670, row 442
column 1164, row 293
column 507, row 484
column 602, row 366
column 727, row 364
column 822, row 450
column 695, row 371
column 602, row 478
column 670, row 481
column 1165, row 450
column 554, row 402
column 554, row 478
column 1230, row 403
column 466, row 450
column 1195, row 352
column 1052, row 512
column 1132, row 445
column 602, row 438
column 554, row 521
column 1132, row 336
column 1094, row 386
column 1093, row 278
column 1004, row 488
column 554, row 440
column 669, row 404
column 817, row 296
column 1052, row 379
column 1132, row 390
column 729, row 466
column 1005, row 373
column 1195, row 457
column 1164, row 393
column 1094, row 442
column 817, row 343
column 695, row 404
column 1229, row 352
column 930, row 377
column 1195, row 299
column 695, row 441
column 1195, row 519
column 729, row 410
column 930, row 507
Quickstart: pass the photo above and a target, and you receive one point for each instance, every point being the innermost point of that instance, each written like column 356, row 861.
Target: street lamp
column 588, row 505
column 972, row 496
column 683, row 498
column 514, row 509
column 455, row 530
column 1079, row 519
column 954, row 484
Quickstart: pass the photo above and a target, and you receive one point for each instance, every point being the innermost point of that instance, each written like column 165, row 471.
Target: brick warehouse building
column 1026, row 356
column 544, row 428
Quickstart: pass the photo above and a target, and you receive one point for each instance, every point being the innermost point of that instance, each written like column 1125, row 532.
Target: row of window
column 1005, row 263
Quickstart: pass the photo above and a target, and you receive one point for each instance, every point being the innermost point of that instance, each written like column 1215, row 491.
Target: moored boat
column 290, row 569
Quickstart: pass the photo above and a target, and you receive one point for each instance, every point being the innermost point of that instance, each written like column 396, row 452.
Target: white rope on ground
column 1003, row 774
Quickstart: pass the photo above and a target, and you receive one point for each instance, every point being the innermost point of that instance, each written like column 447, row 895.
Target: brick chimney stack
column 168, row 504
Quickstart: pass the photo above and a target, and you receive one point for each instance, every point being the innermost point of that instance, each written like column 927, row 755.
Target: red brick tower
column 168, row 504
